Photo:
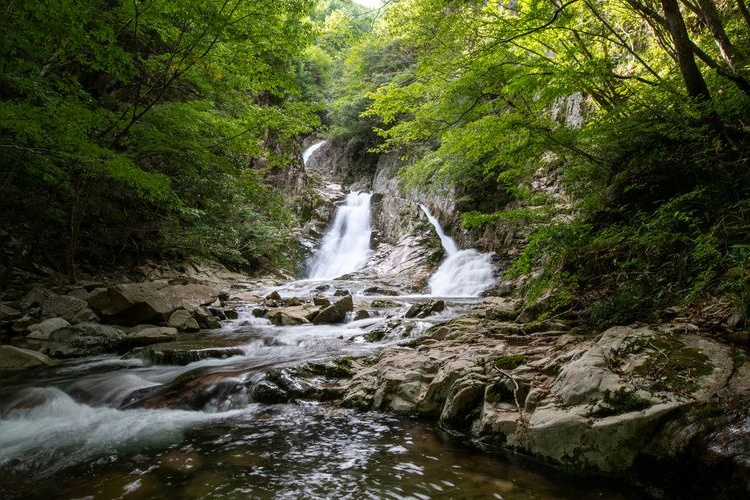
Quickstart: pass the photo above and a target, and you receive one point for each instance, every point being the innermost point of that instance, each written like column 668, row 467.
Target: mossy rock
column 509, row 362
column 619, row 402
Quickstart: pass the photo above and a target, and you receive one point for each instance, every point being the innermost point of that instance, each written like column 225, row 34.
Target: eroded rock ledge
column 653, row 401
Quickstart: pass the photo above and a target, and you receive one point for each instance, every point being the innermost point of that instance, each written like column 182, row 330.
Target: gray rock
column 42, row 331
column 152, row 335
column 15, row 358
column 85, row 339
column 296, row 315
column 37, row 296
column 205, row 319
column 336, row 312
column 182, row 353
column 22, row 324
column 8, row 313
column 154, row 301
column 69, row 308
column 183, row 321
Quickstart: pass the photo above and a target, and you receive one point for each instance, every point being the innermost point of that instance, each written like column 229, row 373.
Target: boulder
column 37, row 296
column 182, row 353
column 361, row 314
column 424, row 309
column 23, row 323
column 205, row 319
column 154, row 301
column 85, row 339
column 336, row 312
column 42, row 331
column 144, row 335
column 321, row 301
column 15, row 358
column 296, row 315
column 183, row 321
column 69, row 308
column 8, row 313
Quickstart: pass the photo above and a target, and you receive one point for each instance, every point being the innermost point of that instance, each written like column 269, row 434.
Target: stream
column 122, row 427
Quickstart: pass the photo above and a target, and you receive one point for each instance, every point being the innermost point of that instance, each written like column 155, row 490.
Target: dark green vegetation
column 133, row 129
column 619, row 402
column 637, row 109
column 614, row 135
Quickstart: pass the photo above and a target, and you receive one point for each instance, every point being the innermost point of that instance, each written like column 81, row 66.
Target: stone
column 424, row 309
column 15, row 358
column 8, row 313
column 361, row 314
column 85, row 339
column 154, row 301
column 69, row 308
column 23, row 323
column 231, row 314
column 37, row 296
column 218, row 312
column 275, row 296
column 147, row 334
column 321, row 301
column 183, row 321
column 182, row 353
column 205, row 319
column 296, row 315
column 336, row 312
column 42, row 331
column 376, row 290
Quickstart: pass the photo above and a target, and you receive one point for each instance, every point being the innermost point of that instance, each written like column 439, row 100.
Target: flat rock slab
column 182, row 353
column 15, row 358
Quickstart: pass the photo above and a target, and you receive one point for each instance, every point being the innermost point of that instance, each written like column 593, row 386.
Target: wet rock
column 154, row 301
column 384, row 303
column 321, row 301
column 85, row 339
column 14, row 358
column 361, row 314
column 218, row 313
column 273, row 296
column 183, row 321
column 341, row 293
column 8, row 313
column 259, row 312
column 69, row 308
column 290, row 316
column 336, row 312
column 42, row 331
column 376, row 290
column 23, row 323
column 268, row 392
column 182, row 353
column 231, row 314
column 424, row 309
column 205, row 319
column 144, row 335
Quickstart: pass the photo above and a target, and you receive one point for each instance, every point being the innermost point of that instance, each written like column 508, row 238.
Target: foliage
column 646, row 131
column 148, row 128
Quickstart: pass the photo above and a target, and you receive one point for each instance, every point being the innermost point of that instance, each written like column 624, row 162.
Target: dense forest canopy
column 639, row 108
column 148, row 128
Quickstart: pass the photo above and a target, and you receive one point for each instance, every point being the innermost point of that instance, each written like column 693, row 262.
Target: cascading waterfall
column 309, row 151
column 346, row 244
column 465, row 273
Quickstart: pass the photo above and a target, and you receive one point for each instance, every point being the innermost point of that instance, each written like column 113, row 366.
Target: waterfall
column 309, row 151
column 346, row 244
column 465, row 273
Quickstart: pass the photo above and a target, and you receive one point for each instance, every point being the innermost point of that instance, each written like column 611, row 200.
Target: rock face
column 134, row 303
column 85, row 339
column 336, row 312
column 606, row 402
column 182, row 353
column 14, row 358
column 69, row 308
column 42, row 331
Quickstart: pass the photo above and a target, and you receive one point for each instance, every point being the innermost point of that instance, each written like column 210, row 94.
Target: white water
column 309, row 151
column 346, row 245
column 465, row 273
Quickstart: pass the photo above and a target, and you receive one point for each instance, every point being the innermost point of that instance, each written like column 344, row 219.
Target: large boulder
column 144, row 335
column 154, row 301
column 69, row 308
column 15, row 358
column 42, row 331
column 295, row 315
column 85, row 339
column 183, row 321
column 336, row 312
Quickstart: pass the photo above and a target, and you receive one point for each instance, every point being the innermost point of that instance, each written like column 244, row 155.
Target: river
column 123, row 427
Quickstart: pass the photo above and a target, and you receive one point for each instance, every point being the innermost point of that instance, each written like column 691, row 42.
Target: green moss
column 510, row 361
column 619, row 402
column 375, row 336
column 672, row 366
column 384, row 303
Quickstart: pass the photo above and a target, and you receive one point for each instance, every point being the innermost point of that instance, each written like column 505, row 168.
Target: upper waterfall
column 465, row 273
column 346, row 244
column 309, row 151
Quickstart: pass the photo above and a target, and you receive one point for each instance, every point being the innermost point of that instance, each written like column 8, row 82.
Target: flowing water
column 120, row 427
column 306, row 154
column 464, row 273
column 346, row 244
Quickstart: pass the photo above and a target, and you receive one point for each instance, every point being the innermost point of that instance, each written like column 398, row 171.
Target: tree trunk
column 745, row 12
column 76, row 218
column 691, row 74
column 710, row 16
